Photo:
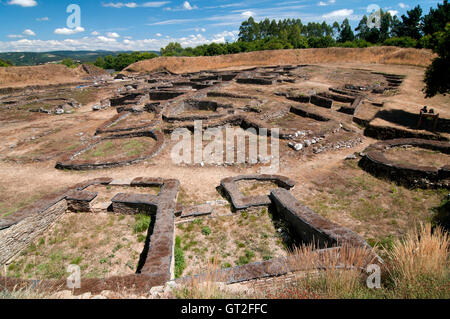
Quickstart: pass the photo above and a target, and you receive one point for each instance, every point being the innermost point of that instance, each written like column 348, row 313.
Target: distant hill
column 37, row 58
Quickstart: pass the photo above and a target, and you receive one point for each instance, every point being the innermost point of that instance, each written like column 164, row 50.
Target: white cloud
column 187, row 5
column 66, row 31
column 43, row 19
column 106, row 43
column 15, row 36
column 248, row 14
column 113, row 35
column 393, row 12
column 152, row 4
column 29, row 32
column 323, row 4
column 402, row 5
column 95, row 33
column 159, row 35
column 343, row 13
column 105, row 39
column 23, row 3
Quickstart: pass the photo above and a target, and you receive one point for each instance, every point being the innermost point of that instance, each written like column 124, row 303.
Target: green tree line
column 122, row 60
column 5, row 63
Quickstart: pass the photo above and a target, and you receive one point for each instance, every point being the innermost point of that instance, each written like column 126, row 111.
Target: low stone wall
column 70, row 162
column 160, row 255
column 165, row 94
column 230, row 95
column 298, row 110
column 321, row 101
column 343, row 98
column 174, row 112
column 127, row 98
column 17, row 232
column 309, row 226
column 80, row 201
column 20, row 235
column 389, row 132
column 241, row 202
column 299, row 98
column 255, row 81
column 107, row 127
column 409, row 175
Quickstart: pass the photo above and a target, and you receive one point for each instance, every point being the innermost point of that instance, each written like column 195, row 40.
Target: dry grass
column 377, row 209
column 419, row 265
column 387, row 55
column 232, row 240
column 341, row 269
column 416, row 267
column 207, row 286
column 102, row 245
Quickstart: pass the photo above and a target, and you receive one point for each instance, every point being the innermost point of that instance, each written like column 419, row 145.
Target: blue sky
column 41, row 25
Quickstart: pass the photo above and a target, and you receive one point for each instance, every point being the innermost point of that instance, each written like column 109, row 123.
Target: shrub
column 418, row 265
column 180, row 263
column 403, row 42
column 142, row 223
column 206, row 231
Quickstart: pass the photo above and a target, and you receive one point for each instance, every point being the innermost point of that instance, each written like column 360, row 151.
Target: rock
column 351, row 157
column 107, row 294
column 194, row 211
column 87, row 295
column 96, row 108
column 172, row 284
column 59, row 111
column 154, row 291
column 298, row 147
column 65, row 294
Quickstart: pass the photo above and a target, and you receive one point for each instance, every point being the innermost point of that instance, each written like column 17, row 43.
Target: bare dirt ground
column 48, row 74
column 379, row 210
column 385, row 55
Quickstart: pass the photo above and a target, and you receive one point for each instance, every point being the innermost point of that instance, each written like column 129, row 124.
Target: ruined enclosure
column 418, row 167
column 142, row 232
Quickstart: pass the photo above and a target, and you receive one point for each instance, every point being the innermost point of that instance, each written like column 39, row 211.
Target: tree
column 386, row 25
column 214, row 49
column 5, row 63
column 100, row 62
column 172, row 49
column 336, row 29
column 411, row 24
column 346, row 32
column 437, row 75
column 436, row 19
column 249, row 30
column 68, row 62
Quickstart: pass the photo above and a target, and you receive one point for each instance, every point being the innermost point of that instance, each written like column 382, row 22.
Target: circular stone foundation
column 115, row 150
column 410, row 162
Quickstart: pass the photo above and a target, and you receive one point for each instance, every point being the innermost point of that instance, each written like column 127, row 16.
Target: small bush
column 403, row 42
column 142, row 223
column 180, row 263
column 206, row 231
